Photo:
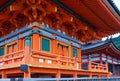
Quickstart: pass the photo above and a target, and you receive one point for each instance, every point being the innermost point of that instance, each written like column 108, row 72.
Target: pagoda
column 43, row 38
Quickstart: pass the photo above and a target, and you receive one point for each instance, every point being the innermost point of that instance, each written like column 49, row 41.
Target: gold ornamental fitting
column 33, row 6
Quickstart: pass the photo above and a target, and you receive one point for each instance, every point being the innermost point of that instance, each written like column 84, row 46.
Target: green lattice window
column 1, row 51
column 74, row 52
column 45, row 44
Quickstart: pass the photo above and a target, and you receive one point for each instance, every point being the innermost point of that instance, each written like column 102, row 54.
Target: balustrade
column 55, row 60
column 93, row 66
column 12, row 58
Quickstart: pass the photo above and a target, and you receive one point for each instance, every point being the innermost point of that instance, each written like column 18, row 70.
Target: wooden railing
column 12, row 58
column 54, row 60
column 99, row 67
column 93, row 66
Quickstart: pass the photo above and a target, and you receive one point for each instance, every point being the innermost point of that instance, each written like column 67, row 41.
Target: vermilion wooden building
column 42, row 38
column 102, row 52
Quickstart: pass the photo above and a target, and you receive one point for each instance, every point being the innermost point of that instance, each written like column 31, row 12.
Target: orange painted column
column 54, row 45
column 75, row 75
column 79, row 58
column 108, row 75
column 54, row 49
column 90, row 75
column 70, row 55
column 58, row 74
column 27, row 74
column 27, row 53
column 35, row 39
column 3, row 74
column 20, row 44
column 35, row 42
column 27, row 56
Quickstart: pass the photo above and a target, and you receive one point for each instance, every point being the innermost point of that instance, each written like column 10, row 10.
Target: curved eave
column 112, row 8
column 95, row 12
column 95, row 46
column 102, row 46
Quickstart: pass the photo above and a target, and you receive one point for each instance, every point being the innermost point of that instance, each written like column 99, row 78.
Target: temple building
column 102, row 52
column 43, row 38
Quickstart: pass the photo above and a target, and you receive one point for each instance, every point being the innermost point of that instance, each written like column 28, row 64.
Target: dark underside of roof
column 5, row 3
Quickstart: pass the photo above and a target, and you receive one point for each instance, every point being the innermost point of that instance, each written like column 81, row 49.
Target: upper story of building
column 41, row 44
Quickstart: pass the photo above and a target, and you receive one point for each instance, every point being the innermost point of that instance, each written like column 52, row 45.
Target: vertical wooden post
column 89, row 63
column 75, row 75
column 54, row 45
column 4, row 75
column 35, row 41
column 79, row 58
column 20, row 44
column 27, row 74
column 108, row 75
column 70, row 54
column 90, row 75
column 27, row 57
column 58, row 74
column 35, row 38
column 99, row 75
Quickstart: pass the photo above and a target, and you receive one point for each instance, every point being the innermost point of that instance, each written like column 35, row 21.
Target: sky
column 117, row 2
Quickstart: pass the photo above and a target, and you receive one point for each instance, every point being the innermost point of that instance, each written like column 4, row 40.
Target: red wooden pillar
column 54, row 45
column 20, row 44
column 75, row 75
column 27, row 74
column 58, row 74
column 90, row 75
column 35, row 39
column 79, row 58
column 35, row 42
column 27, row 57
column 4, row 75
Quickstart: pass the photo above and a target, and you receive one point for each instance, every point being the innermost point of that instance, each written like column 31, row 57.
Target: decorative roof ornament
column 36, row 24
